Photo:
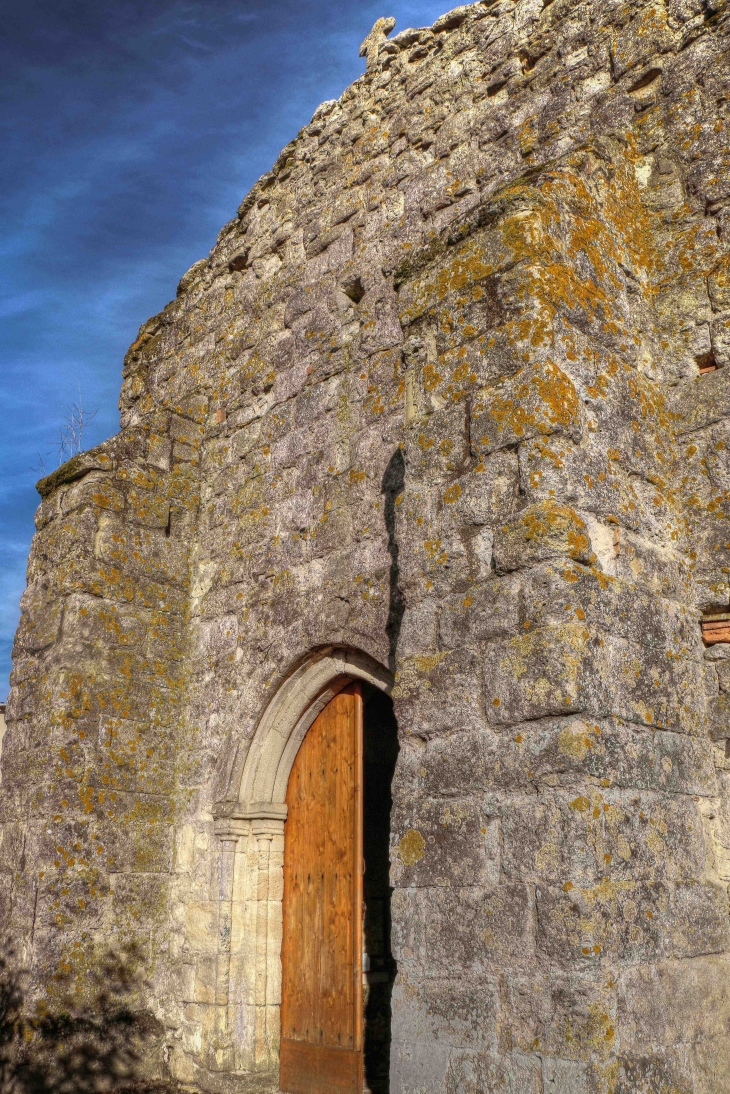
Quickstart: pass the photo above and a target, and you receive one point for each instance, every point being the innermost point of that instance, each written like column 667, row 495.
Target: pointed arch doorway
column 337, row 969
column 251, row 823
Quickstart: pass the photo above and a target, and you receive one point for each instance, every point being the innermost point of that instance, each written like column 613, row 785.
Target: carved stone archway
column 244, row 1036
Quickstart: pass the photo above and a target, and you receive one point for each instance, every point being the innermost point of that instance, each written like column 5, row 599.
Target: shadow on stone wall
column 392, row 485
column 69, row 1046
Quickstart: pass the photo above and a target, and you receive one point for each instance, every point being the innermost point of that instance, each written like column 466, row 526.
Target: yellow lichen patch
column 411, row 847
column 595, row 1029
column 427, row 662
column 580, row 804
column 534, row 402
column 573, row 741
column 467, row 263
column 435, row 551
column 542, row 531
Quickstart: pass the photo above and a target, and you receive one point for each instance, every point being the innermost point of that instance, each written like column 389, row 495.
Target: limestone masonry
column 446, row 409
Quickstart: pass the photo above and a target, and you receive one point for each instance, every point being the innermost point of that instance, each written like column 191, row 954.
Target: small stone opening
column 380, row 752
column 528, row 60
column 239, row 261
column 715, row 626
column 706, row 362
column 354, row 289
column 650, row 77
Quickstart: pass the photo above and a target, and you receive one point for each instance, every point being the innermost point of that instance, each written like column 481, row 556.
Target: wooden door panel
column 313, row 1069
column 321, row 1011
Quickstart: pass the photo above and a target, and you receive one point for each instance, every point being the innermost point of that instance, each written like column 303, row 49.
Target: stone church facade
column 446, row 411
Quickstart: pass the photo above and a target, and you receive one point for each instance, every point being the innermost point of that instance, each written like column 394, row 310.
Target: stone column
column 222, row 1051
column 269, row 835
column 250, row 887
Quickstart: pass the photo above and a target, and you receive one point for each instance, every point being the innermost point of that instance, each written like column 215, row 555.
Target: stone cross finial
column 375, row 39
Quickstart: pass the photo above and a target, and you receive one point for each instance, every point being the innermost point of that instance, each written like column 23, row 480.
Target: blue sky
column 131, row 130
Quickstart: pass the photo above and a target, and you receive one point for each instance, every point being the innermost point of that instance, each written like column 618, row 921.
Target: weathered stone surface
column 434, row 397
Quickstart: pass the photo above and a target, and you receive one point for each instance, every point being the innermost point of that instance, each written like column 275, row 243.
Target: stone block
column 579, row 839
column 613, row 920
column 720, row 341
column 90, row 620
column 418, row 1067
column 701, row 402
column 459, row 269
column 647, row 34
column 201, row 925
column 474, row 929
column 135, row 848
column 564, row 1077
column 632, row 920
column 448, row 1011
column 699, row 990
column 41, row 610
column 513, row 1072
column 541, row 532
column 438, row 843
column 408, row 942
column 95, row 489
column 566, row 1015
column 438, row 446
column 152, row 552
column 138, row 900
column 557, row 750
column 489, row 493
column 188, row 431
column 424, row 681
column 648, row 686
column 544, row 672
column 206, row 973
column 708, row 1063
column 698, row 920
column 482, row 612
column 555, row 594
column 536, row 402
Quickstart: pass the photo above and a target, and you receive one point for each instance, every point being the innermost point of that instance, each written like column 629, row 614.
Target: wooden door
column 321, row 997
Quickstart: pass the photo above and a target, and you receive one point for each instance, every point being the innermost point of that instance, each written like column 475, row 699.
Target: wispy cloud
column 19, row 303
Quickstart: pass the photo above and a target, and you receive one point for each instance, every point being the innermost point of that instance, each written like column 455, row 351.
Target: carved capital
column 267, row 827
column 231, row 828
column 236, row 819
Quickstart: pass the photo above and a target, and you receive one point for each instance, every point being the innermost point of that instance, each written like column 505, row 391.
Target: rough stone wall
column 435, row 395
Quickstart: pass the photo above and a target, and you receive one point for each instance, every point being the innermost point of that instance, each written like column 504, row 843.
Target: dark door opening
column 380, row 752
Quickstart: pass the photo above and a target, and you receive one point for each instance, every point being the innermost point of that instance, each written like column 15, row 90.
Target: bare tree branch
column 70, row 435
column 71, row 432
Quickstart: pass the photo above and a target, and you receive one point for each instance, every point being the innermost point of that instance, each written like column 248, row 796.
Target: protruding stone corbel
column 374, row 41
